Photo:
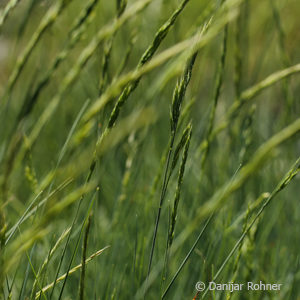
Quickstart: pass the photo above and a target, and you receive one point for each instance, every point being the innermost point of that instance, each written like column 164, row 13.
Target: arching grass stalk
column 251, row 92
column 73, row 270
column 47, row 260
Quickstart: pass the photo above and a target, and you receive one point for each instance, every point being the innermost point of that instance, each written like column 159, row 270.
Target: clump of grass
column 88, row 130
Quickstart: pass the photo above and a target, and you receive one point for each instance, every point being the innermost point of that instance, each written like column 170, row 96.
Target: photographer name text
column 232, row 287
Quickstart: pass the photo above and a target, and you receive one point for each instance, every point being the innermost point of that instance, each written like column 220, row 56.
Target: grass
column 147, row 145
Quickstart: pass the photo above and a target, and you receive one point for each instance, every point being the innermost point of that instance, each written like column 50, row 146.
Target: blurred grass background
column 47, row 173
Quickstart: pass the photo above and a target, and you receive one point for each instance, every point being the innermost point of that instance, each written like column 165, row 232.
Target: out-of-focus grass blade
column 73, row 270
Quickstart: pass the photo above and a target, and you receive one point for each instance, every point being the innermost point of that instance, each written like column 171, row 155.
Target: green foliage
column 105, row 193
